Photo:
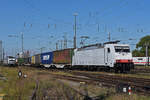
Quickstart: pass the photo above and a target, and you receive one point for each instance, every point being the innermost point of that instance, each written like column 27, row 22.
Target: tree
column 140, row 50
column 136, row 53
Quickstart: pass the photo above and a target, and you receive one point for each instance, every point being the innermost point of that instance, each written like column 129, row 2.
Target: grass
column 54, row 90
column 48, row 87
column 62, row 73
column 15, row 88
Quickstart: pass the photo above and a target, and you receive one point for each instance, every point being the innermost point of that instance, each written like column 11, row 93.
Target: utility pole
column 22, row 38
column 148, row 55
column 61, row 44
column 109, row 37
column 105, row 28
column 98, row 28
column 146, row 52
column 1, row 51
column 56, row 45
column 3, row 54
column 75, row 30
column 41, row 49
column 65, row 41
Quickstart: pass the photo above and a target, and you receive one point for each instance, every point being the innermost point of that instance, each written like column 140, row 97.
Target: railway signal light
column 129, row 90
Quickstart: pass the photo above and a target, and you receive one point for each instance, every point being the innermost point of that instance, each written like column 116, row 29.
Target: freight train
column 110, row 55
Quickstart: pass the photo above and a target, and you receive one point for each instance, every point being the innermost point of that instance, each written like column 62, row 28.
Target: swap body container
column 33, row 60
column 47, row 58
column 20, row 61
column 38, row 59
column 63, row 56
column 27, row 60
column 30, row 58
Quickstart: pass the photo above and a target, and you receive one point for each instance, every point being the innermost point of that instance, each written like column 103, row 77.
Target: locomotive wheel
column 116, row 70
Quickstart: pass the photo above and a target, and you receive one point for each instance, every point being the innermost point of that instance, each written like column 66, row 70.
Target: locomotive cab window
column 122, row 49
column 11, row 60
column 108, row 50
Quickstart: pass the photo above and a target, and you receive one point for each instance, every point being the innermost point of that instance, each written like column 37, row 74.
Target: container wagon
column 20, row 61
column 109, row 56
column 27, row 61
column 37, row 60
column 33, row 60
column 63, row 58
column 47, row 59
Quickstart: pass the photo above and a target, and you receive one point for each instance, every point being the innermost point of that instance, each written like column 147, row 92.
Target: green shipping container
column 20, row 61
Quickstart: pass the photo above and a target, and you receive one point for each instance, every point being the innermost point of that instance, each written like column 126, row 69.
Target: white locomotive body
column 109, row 55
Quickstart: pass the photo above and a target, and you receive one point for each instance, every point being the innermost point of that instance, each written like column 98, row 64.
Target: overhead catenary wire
column 99, row 25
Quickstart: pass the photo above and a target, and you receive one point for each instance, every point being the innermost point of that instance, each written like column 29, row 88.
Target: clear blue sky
column 123, row 18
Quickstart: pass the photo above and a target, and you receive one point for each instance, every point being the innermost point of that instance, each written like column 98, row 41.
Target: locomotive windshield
column 12, row 60
column 122, row 49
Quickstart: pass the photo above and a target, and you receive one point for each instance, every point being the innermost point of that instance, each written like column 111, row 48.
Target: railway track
column 138, row 85
column 133, row 71
column 141, row 70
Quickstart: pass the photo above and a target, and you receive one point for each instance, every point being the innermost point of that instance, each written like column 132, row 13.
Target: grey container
column 37, row 59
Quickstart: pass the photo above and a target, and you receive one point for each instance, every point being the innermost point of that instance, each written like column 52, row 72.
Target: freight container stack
column 37, row 59
column 26, row 60
column 32, row 60
column 20, row 61
column 47, row 59
column 63, row 56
